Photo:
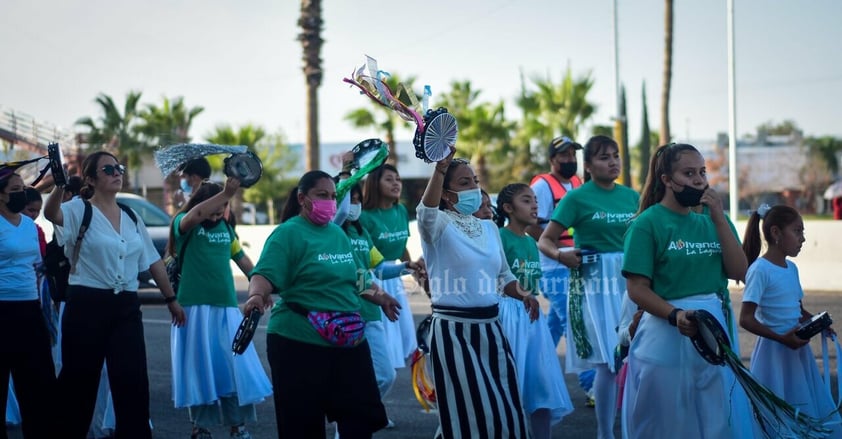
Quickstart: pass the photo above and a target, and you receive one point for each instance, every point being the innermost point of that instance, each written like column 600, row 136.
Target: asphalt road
column 410, row 419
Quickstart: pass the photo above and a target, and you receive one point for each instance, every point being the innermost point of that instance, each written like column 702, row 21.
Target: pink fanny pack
column 339, row 328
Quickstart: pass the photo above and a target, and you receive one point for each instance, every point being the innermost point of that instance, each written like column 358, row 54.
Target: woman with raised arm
column 102, row 319
column 473, row 367
column 207, row 379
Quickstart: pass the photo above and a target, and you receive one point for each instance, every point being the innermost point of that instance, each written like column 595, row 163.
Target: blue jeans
column 554, row 285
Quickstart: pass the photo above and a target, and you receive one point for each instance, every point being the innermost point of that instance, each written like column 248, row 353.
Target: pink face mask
column 321, row 211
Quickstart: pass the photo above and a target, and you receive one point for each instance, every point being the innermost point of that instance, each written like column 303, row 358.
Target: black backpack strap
column 181, row 250
column 83, row 228
column 129, row 212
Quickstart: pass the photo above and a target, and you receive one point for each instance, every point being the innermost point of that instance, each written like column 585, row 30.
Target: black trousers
column 310, row 382
column 98, row 326
column 25, row 355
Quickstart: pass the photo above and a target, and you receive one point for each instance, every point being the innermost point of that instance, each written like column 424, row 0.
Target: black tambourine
column 422, row 334
column 438, row 137
column 818, row 323
column 57, row 164
column 367, row 151
column 245, row 332
column 710, row 339
column 245, row 167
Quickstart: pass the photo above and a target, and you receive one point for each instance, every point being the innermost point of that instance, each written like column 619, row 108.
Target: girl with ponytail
column 772, row 310
column 544, row 394
column 674, row 259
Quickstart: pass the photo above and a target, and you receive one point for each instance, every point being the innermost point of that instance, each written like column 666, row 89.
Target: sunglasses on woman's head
column 113, row 170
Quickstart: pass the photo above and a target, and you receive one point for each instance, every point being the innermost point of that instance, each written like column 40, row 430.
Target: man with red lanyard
column 549, row 189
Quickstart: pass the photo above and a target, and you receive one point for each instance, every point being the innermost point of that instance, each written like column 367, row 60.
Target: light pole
column 734, row 196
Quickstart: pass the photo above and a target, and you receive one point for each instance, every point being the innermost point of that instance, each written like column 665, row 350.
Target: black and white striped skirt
column 475, row 375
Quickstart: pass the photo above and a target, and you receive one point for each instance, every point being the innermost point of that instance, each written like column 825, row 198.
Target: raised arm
column 205, row 209
column 52, row 208
column 432, row 194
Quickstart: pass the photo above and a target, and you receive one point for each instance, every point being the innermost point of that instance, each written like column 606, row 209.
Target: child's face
column 32, row 209
column 524, row 207
column 791, row 238
column 485, row 211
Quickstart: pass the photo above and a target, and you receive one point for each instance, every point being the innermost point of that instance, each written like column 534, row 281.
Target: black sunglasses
column 113, row 170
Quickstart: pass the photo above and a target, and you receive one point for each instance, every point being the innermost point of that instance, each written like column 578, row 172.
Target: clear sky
column 240, row 59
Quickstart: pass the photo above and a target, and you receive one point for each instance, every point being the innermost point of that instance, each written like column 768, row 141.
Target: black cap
column 198, row 166
column 561, row 144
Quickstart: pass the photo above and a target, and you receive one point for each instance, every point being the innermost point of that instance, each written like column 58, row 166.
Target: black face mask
column 689, row 196
column 209, row 224
column 17, row 201
column 568, row 169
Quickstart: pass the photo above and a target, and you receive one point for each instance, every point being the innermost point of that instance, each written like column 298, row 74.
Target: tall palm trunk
column 665, row 93
column 311, row 43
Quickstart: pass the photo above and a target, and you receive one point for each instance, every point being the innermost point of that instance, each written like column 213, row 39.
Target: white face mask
column 354, row 212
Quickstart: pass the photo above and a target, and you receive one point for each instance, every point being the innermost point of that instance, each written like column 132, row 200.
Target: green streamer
column 577, row 319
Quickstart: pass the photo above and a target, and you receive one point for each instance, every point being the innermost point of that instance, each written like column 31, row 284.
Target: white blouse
column 466, row 263
column 107, row 259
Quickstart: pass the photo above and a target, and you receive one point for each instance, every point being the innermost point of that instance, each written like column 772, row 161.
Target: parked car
column 156, row 220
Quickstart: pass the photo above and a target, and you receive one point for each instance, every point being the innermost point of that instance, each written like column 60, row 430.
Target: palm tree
column 387, row 121
column 311, row 43
column 621, row 136
column 552, row 110
column 116, row 131
column 667, row 79
column 645, row 145
column 248, row 135
column 168, row 124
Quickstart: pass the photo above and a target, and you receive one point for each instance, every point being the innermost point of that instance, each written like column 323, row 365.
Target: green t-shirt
column 600, row 217
column 310, row 265
column 362, row 247
column 522, row 255
column 206, row 277
column 679, row 253
column 389, row 229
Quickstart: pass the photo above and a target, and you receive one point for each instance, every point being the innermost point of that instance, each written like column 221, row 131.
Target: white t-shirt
column 463, row 271
column 19, row 252
column 777, row 293
column 544, row 196
column 107, row 259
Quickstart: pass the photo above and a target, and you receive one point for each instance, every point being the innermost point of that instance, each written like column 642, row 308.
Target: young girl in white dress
column 543, row 391
column 772, row 310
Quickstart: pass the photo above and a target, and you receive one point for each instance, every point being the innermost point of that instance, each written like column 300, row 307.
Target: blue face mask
column 185, row 186
column 469, row 201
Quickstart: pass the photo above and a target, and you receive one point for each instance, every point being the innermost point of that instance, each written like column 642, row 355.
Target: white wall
column 820, row 261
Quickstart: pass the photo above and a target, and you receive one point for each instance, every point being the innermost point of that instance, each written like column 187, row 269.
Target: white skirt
column 794, row 376
column 204, row 368
column 671, row 391
column 601, row 308
column 400, row 334
column 539, row 374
